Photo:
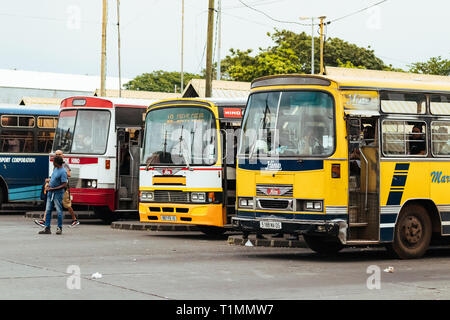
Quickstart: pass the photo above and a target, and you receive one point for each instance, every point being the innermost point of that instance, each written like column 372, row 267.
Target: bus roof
column 220, row 102
column 40, row 110
column 112, row 101
column 358, row 79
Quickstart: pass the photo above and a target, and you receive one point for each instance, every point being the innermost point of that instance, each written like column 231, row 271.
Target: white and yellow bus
column 188, row 169
column 346, row 161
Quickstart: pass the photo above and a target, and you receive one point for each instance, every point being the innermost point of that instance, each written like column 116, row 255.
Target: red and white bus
column 100, row 139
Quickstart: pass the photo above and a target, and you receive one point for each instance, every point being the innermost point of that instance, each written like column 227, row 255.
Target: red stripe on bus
column 78, row 160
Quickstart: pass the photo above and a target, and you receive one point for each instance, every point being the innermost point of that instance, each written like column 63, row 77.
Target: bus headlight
column 147, row 196
column 246, row 202
column 198, row 196
column 310, row 205
column 89, row 183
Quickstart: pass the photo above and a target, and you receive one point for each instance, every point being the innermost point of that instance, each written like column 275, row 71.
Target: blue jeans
column 54, row 200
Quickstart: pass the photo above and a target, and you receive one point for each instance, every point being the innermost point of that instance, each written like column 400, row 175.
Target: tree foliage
column 435, row 65
column 161, row 81
column 291, row 53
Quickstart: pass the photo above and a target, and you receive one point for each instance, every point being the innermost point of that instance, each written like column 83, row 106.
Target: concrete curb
column 39, row 215
column 268, row 242
column 136, row 225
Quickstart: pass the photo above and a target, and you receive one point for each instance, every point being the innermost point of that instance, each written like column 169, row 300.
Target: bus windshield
column 180, row 136
column 288, row 124
column 82, row 131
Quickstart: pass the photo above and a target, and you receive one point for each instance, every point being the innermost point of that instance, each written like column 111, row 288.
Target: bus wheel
column 412, row 233
column 321, row 245
column 105, row 214
column 212, row 231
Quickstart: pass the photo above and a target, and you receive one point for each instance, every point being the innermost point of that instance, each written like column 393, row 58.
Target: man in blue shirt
column 55, row 193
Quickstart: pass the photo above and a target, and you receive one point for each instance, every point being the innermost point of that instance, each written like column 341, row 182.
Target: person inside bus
column 417, row 145
column 442, row 147
column 355, row 157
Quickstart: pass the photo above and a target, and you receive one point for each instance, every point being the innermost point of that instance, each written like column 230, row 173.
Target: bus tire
column 106, row 215
column 322, row 246
column 212, row 230
column 413, row 232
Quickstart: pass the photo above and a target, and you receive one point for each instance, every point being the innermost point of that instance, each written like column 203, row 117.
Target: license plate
column 270, row 225
column 169, row 218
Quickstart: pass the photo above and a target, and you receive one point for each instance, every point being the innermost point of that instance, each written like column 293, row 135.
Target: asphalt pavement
column 95, row 261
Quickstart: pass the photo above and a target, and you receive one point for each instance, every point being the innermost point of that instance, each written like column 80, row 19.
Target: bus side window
column 45, row 141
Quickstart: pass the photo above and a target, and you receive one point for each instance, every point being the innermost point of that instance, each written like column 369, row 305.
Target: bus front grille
column 171, row 196
column 277, row 204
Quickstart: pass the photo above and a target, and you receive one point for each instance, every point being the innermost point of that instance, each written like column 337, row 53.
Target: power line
column 358, row 11
column 271, row 18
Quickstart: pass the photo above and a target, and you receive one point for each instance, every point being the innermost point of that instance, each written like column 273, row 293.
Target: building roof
column 26, row 101
column 220, row 89
column 137, row 94
column 54, row 81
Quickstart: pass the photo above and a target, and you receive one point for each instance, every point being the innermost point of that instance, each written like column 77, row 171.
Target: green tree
column 435, row 65
column 160, row 81
column 291, row 53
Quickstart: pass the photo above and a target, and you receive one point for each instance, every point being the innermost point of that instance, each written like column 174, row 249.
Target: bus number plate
column 169, row 218
column 270, row 225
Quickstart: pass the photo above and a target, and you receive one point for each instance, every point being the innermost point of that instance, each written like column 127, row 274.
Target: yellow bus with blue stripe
column 346, row 161
column 188, row 168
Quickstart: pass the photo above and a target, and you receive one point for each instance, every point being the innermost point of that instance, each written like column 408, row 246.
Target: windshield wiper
column 182, row 152
column 263, row 122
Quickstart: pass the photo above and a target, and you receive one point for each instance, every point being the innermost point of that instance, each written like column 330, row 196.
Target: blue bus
column 26, row 139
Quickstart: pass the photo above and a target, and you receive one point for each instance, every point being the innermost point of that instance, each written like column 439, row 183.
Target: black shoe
column 59, row 230
column 45, row 231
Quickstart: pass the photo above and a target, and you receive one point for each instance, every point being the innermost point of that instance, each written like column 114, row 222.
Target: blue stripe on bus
column 281, row 165
column 445, row 216
column 394, row 199
column 399, row 180
column 290, row 215
column 26, row 189
column 446, row 230
column 28, row 195
column 402, row 166
column 387, row 234
column 388, row 218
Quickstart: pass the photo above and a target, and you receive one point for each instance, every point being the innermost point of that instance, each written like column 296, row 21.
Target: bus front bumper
column 193, row 214
column 327, row 228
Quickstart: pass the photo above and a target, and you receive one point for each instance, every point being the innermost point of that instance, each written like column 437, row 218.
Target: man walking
column 55, row 192
column 67, row 203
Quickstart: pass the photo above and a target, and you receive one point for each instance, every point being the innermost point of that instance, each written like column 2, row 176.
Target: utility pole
column 209, row 47
column 321, row 44
column 182, row 45
column 103, row 63
column 219, row 38
column 118, row 48
column 312, row 45
column 312, row 41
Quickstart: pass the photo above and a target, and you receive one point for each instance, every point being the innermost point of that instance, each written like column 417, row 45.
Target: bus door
column 364, row 186
column 230, row 138
column 128, row 149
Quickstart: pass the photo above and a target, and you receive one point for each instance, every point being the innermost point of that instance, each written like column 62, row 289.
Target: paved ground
column 188, row 265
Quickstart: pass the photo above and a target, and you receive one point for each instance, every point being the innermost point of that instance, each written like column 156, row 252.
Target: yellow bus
column 188, row 169
column 346, row 161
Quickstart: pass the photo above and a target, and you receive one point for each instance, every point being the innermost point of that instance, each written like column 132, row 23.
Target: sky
column 64, row 36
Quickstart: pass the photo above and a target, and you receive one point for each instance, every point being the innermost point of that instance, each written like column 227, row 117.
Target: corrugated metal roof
column 135, row 94
column 220, row 89
column 26, row 101
column 54, row 81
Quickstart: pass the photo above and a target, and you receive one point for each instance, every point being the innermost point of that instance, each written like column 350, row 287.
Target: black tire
column 413, row 232
column 322, row 245
column 212, row 231
column 105, row 214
